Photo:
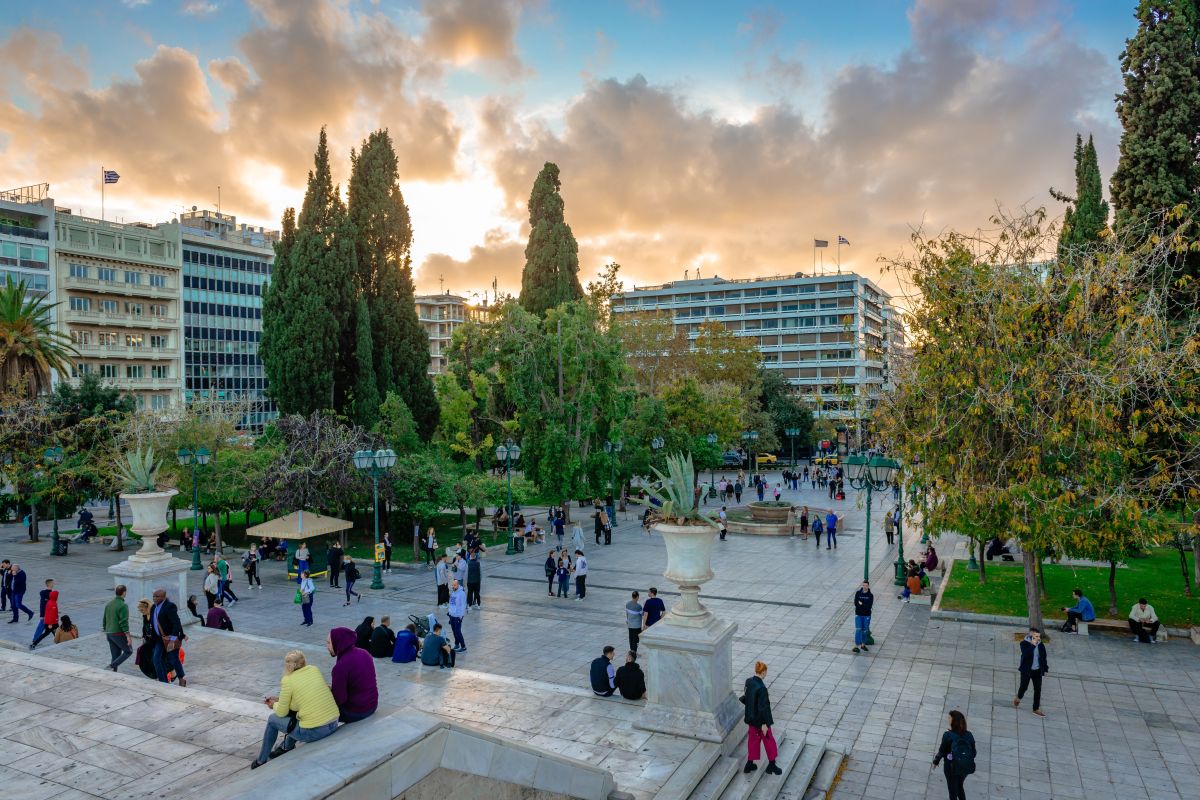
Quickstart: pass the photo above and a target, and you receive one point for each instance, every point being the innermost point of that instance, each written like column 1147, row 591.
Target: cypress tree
column 383, row 275
column 1159, row 110
column 366, row 398
column 309, row 300
column 551, row 274
column 1087, row 216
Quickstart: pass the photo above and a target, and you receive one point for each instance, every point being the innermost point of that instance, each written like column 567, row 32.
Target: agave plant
column 677, row 492
column 139, row 471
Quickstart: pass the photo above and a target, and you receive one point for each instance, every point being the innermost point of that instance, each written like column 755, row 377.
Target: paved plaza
column 1123, row 721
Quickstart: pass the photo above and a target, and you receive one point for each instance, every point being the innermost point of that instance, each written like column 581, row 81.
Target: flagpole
column 102, row 194
column 839, row 255
column 814, row 258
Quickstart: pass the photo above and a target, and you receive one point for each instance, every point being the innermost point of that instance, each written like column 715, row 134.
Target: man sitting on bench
column 1082, row 610
column 1143, row 622
column 997, row 547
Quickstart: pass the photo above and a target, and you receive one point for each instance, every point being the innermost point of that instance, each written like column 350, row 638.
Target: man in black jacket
column 383, row 639
column 5, row 583
column 863, row 600
column 1033, row 666
column 334, row 559
column 168, row 632
column 630, row 680
column 18, row 593
column 601, row 674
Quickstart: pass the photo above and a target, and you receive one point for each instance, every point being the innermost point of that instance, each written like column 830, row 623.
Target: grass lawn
column 1157, row 578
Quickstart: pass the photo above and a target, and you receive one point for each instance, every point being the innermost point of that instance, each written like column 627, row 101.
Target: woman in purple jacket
column 353, row 675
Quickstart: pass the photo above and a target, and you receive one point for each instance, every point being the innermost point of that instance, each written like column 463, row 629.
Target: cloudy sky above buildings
column 713, row 135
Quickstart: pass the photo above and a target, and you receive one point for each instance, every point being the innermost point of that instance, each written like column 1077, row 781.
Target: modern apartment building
column 26, row 238
column 224, row 268
column 439, row 315
column 825, row 333
column 118, row 292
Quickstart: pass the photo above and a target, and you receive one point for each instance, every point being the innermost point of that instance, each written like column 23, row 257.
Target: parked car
column 826, row 461
column 732, row 458
column 765, row 458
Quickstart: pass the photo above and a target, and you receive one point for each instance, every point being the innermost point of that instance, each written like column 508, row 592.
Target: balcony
column 119, row 319
column 124, row 351
column 118, row 287
column 28, row 233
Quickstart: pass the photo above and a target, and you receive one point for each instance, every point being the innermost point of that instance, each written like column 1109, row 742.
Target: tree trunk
column 217, row 529
column 1196, row 552
column 1112, row 588
column 174, row 519
column 1183, row 567
column 1033, row 600
column 33, row 523
column 417, row 541
column 462, row 517
column 1041, row 574
column 566, row 508
column 120, row 526
column 982, row 563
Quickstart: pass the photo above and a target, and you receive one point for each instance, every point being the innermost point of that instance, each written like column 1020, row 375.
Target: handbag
column 299, row 598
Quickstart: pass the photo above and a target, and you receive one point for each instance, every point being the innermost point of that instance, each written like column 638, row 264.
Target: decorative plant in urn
column 139, row 479
column 689, row 534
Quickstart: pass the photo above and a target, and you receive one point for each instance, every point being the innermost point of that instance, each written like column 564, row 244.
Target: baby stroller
column 423, row 626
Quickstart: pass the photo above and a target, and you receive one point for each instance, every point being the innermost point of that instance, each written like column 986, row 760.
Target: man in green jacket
column 116, row 628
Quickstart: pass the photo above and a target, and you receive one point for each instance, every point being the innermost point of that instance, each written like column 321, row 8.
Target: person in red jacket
column 48, row 623
column 354, row 687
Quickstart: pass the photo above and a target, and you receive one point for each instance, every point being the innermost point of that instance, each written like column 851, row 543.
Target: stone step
column 828, row 772
column 796, row 783
column 728, row 768
column 743, row 786
column 770, row 786
column 689, row 774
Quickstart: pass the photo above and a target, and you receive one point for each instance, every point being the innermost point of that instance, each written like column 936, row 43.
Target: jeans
column 831, row 539
column 118, row 645
column 350, row 590
column 861, row 626
column 472, row 594
column 456, row 626
column 817, row 533
column 226, row 591
column 564, row 585
column 18, row 606
column 954, row 782
column 581, row 586
column 292, row 734
column 429, row 555
column 41, row 632
column 165, row 663
column 1036, row 679
column 755, row 738
column 306, row 609
column 634, row 635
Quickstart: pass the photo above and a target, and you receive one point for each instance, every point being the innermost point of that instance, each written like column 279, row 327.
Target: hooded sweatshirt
column 51, row 611
column 353, row 675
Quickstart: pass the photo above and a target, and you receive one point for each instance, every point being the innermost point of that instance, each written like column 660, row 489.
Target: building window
column 134, row 340
column 135, row 371
column 159, row 402
column 133, row 308
column 160, row 371
column 133, row 278
column 157, row 310
column 158, row 281
column 110, row 306
column 108, row 370
column 81, row 337
column 81, row 304
column 158, row 341
column 79, row 271
column 106, row 274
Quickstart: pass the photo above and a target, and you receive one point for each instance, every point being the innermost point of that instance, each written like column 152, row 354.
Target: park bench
column 1116, row 626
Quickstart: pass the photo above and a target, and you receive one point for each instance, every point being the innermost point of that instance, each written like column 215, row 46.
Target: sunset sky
column 718, row 135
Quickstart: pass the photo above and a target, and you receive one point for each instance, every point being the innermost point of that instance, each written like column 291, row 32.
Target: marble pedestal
column 142, row 574
column 689, row 672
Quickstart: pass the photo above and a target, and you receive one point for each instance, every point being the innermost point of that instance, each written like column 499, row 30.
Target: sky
column 713, row 136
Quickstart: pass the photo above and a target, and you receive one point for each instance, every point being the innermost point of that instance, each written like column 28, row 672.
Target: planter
column 770, row 511
column 149, row 518
column 689, row 564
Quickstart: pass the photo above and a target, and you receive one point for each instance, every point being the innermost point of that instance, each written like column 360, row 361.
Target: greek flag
column 843, row 240
column 111, row 176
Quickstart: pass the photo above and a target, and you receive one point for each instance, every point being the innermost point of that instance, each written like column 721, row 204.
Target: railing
column 21, row 230
column 33, row 193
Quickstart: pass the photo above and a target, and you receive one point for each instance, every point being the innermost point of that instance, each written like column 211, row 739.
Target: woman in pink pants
column 759, row 720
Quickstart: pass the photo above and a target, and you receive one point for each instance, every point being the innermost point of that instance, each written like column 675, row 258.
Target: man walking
column 653, row 610
column 5, row 584
column 441, row 575
column 581, row 572
column 223, row 573
column 1032, row 667
column 164, row 619
column 333, row 557
column 474, row 579
column 634, row 616
column 116, row 629
column 889, row 527
column 863, row 600
column 458, row 610
column 831, row 521
column 18, row 593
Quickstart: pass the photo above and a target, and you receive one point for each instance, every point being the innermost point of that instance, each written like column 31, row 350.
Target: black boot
column 773, row 770
column 750, row 767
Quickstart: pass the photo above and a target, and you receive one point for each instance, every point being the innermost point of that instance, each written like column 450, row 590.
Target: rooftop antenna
column 218, row 198
column 685, row 274
column 442, row 283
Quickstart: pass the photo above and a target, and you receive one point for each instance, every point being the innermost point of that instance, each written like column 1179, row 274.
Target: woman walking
column 759, row 721
column 307, row 590
column 144, row 657
column 958, row 750
column 350, row 571
column 250, row 567
column 387, row 552
column 804, row 523
column 212, row 585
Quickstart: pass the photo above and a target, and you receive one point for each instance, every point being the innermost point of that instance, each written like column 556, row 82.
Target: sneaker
column 855, row 650
column 864, row 649
column 1039, row 712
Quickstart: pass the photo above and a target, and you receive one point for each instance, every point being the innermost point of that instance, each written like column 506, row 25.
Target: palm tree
column 30, row 348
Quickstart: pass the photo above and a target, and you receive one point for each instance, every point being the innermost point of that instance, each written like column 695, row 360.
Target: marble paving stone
column 17, row 784
column 49, row 740
column 119, row 759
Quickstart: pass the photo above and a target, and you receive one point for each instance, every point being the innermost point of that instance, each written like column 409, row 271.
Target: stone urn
column 149, row 520
column 770, row 511
column 689, row 564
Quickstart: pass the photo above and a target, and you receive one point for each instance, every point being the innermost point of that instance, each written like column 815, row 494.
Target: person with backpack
column 350, row 570
column 958, row 751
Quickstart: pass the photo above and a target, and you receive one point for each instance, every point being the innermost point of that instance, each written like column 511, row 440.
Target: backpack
column 960, row 755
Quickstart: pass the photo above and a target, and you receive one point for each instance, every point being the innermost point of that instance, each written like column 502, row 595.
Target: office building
column 26, row 238
column 118, row 292
column 824, row 333
column 224, row 268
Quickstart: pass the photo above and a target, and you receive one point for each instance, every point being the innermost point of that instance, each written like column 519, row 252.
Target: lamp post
column 194, row 458
column 712, row 480
column 614, row 449
column 750, row 437
column 54, row 457
column 376, row 465
column 792, row 433
column 509, row 452
column 872, row 474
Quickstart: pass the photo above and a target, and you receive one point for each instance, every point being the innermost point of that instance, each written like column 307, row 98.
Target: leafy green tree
column 785, row 410
column 383, row 275
column 551, row 275
column 91, row 397
column 419, row 488
column 308, row 305
column 1159, row 109
column 396, row 426
column 1087, row 217
column 365, row 396
column 30, row 348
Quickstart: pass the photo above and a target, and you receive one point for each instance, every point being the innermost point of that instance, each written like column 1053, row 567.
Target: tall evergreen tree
column 366, row 397
column 551, row 273
column 383, row 275
column 1159, row 110
column 309, row 300
column 1087, row 216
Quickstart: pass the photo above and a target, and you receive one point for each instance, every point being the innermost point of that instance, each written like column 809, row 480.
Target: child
column 564, row 576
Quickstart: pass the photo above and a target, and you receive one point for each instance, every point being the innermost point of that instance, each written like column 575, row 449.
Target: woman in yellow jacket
column 304, row 711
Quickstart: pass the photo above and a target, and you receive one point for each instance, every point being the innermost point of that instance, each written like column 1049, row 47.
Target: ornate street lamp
column 614, row 449
column 194, row 458
column 509, row 452
column 53, row 457
column 750, row 437
column 712, row 481
column 376, row 465
column 792, row 433
column 873, row 474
